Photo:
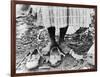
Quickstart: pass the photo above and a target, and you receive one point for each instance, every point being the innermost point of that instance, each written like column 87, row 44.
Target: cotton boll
column 76, row 56
column 54, row 59
column 46, row 49
column 32, row 64
column 21, row 29
column 33, row 61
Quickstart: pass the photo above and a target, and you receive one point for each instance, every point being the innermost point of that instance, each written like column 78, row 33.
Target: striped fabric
column 57, row 16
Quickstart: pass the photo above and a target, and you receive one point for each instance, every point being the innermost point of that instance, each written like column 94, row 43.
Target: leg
column 62, row 34
column 51, row 31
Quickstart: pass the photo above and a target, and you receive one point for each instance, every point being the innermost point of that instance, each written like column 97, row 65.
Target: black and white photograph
column 54, row 38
